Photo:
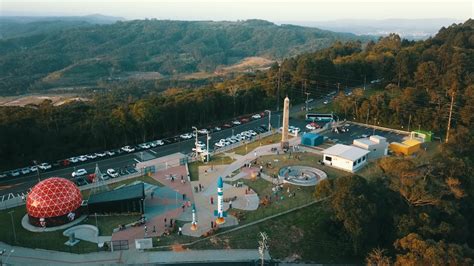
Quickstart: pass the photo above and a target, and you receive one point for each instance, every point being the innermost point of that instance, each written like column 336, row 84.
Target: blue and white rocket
column 194, row 222
column 220, row 213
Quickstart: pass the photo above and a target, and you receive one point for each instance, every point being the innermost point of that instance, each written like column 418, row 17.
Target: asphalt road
column 23, row 182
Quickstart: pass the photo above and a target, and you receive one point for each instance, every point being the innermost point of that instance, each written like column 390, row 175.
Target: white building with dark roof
column 344, row 157
column 376, row 145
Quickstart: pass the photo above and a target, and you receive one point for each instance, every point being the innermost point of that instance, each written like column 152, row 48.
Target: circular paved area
column 301, row 175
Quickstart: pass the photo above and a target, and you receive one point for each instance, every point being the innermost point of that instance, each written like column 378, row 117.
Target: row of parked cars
column 127, row 149
column 82, row 177
column 233, row 123
column 244, row 135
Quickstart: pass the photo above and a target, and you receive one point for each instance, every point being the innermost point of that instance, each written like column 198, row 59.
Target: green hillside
column 167, row 47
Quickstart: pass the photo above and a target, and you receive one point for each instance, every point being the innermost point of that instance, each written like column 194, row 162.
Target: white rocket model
column 194, row 222
column 220, row 213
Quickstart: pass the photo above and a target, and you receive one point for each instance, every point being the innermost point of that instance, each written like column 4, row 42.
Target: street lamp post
column 37, row 170
column 269, row 119
column 13, row 225
column 207, row 145
column 196, row 140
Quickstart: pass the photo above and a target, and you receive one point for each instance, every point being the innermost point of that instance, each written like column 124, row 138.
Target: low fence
column 381, row 128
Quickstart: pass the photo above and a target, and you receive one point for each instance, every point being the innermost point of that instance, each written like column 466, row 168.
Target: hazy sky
column 298, row 10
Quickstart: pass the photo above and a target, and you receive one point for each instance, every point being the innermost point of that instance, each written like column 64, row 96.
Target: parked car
column 101, row 154
column 74, row 160
column 128, row 149
column 111, row 172
column 311, row 126
column 326, row 102
column 244, row 120
column 236, row 122
column 80, row 181
column 186, row 136
column 144, row 146
column 25, row 171
column 159, row 142
column 227, row 125
column 44, row 166
column 91, row 156
column 82, row 158
column 34, row 168
column 217, row 128
column 219, row 144
column 203, row 131
column 2, row 175
column 110, row 153
column 256, row 116
column 79, row 172
column 15, row 173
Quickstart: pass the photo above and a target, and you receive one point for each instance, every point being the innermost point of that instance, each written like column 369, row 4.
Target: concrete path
column 27, row 256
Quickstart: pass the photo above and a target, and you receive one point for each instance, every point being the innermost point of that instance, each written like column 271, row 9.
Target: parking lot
column 356, row 131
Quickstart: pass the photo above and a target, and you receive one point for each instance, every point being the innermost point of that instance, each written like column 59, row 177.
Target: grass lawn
column 285, row 202
column 106, row 224
column 304, row 234
column 246, row 148
column 46, row 240
column 219, row 159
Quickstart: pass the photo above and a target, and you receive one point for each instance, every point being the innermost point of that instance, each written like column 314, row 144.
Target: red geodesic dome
column 53, row 197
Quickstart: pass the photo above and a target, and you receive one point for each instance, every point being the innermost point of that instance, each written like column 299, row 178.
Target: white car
column 326, row 102
column 128, row 149
column 101, row 154
column 44, row 166
column 159, row 142
column 82, row 158
column 144, row 146
column 186, row 136
column 236, row 122
column 256, row 116
column 203, row 131
column 91, row 156
column 15, row 173
column 33, row 168
column 25, row 171
column 2, row 175
column 79, row 172
column 217, row 129
column 310, row 127
column 74, row 159
column 219, row 144
column 111, row 172
column 110, row 153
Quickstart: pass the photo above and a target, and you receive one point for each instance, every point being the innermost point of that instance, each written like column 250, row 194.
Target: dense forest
column 85, row 55
column 422, row 78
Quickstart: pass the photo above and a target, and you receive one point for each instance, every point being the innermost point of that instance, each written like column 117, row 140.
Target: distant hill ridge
column 164, row 46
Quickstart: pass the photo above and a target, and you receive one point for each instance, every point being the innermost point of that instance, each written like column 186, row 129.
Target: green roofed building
column 128, row 199
column 422, row 135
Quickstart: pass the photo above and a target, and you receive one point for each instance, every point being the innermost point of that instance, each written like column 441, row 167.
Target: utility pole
column 368, row 112
column 13, row 225
column 450, row 114
column 409, row 122
column 207, row 143
column 278, row 88
column 307, row 99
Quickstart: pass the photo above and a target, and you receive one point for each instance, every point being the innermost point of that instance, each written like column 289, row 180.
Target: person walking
column 146, row 231
column 171, row 222
column 212, row 224
column 180, row 231
column 154, row 229
column 230, row 204
column 212, row 200
column 165, row 223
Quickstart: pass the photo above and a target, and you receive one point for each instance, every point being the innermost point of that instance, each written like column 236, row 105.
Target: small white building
column 376, row 145
column 344, row 157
